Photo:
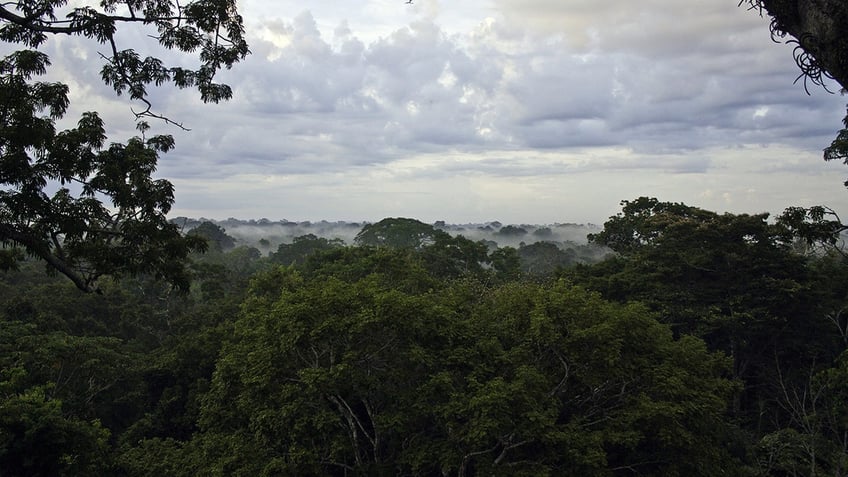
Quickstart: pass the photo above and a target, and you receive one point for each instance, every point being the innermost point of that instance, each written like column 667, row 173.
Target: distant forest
column 670, row 341
column 266, row 235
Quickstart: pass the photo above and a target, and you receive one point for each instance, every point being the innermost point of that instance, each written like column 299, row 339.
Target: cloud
column 482, row 106
column 651, row 28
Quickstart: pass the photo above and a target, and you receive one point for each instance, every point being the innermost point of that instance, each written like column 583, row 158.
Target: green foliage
column 511, row 231
column 73, row 230
column 838, row 149
column 398, row 233
column 301, row 248
column 51, row 386
column 813, row 228
column 507, row 263
column 88, row 380
column 544, row 258
column 214, row 235
column 732, row 279
column 444, row 359
column 769, row 295
column 352, row 373
column 212, row 28
column 156, row 458
column 699, row 268
column 37, row 439
column 543, row 232
column 642, row 223
column 454, row 257
column 400, row 268
column 815, row 440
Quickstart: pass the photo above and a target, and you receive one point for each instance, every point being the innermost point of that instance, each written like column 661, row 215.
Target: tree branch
column 33, row 23
column 32, row 244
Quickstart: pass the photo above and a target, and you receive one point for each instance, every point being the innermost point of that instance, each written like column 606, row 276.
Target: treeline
column 705, row 344
column 266, row 235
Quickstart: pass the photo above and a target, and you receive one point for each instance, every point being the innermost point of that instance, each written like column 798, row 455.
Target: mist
column 267, row 235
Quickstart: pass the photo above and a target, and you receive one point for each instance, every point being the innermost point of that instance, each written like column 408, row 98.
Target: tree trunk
column 821, row 29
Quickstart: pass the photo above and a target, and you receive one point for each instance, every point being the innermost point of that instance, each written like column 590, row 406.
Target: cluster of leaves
column 212, row 28
column 838, row 149
column 77, row 234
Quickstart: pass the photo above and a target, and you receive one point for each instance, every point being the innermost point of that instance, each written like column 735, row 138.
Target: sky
column 521, row 111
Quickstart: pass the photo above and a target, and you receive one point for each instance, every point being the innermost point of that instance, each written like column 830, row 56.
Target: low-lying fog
column 267, row 235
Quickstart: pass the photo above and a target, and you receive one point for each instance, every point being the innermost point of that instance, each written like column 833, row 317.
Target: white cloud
column 511, row 109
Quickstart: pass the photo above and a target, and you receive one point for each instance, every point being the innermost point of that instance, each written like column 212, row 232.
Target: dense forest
column 701, row 344
column 673, row 341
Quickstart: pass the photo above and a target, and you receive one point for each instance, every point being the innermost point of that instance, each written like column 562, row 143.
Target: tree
column 690, row 262
column 511, row 231
column 38, row 440
column 451, row 257
column 736, row 281
column 398, row 233
column 544, row 258
column 815, row 229
column 507, row 263
column 214, row 235
column 814, row 440
column 820, row 34
column 838, row 149
column 73, row 230
column 302, row 248
column 330, row 376
column 213, row 28
column 54, row 388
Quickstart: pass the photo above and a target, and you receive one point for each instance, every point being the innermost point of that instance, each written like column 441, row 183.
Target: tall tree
column 107, row 215
column 737, row 281
column 398, row 232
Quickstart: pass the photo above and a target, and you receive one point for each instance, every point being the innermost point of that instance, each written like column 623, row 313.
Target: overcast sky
column 522, row 111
